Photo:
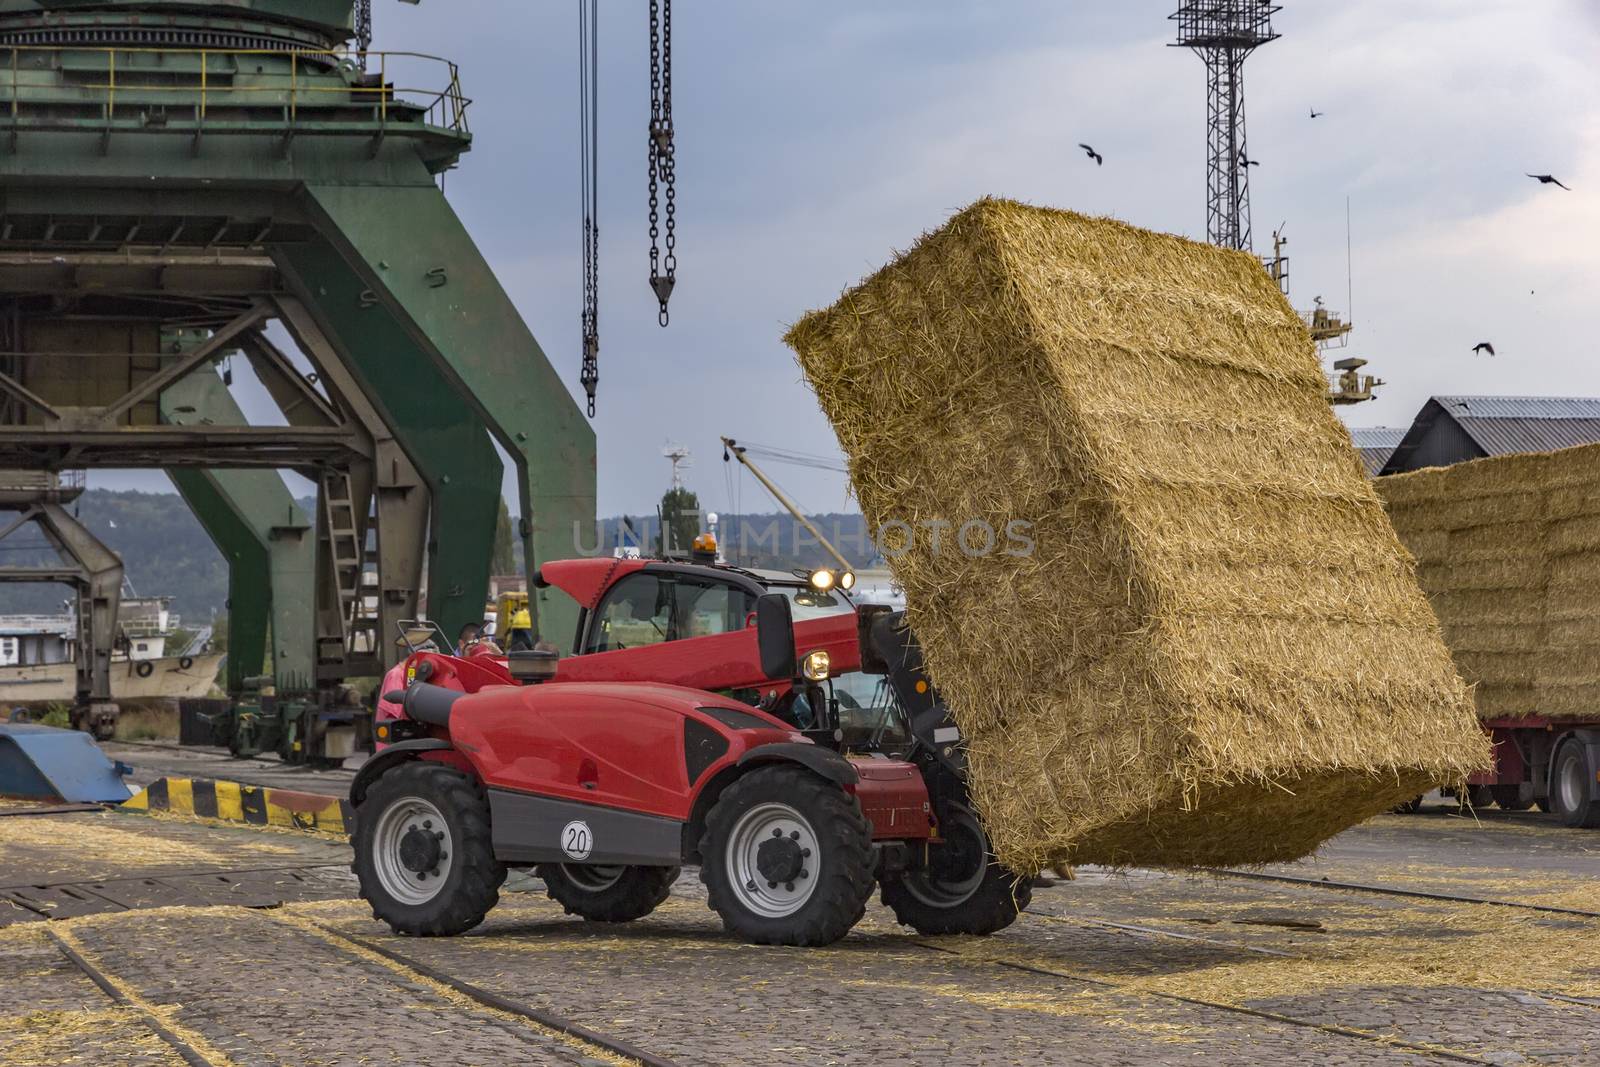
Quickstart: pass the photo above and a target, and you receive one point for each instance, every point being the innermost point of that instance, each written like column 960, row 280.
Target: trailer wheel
column 962, row 889
column 1409, row 807
column 607, row 894
column 1510, row 798
column 423, row 852
column 787, row 858
column 1572, row 786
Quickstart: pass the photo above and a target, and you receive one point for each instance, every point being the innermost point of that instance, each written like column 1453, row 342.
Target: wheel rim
column 1569, row 782
column 773, row 860
column 955, row 876
column 592, row 878
column 410, row 869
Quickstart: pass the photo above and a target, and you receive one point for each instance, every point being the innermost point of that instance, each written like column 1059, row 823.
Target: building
column 1453, row 429
column 1375, row 444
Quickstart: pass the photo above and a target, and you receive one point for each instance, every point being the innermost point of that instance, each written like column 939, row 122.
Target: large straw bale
column 1515, row 585
column 1506, row 701
column 1216, row 650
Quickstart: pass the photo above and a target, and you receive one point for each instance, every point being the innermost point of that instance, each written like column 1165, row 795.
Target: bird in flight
column 1246, row 161
column 1317, row 114
column 1548, row 179
column 1483, row 346
column 1098, row 161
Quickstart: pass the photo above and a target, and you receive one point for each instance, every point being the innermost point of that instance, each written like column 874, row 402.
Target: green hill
column 167, row 553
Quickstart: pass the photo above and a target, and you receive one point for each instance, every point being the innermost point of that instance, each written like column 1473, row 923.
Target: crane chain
column 588, row 151
column 363, row 29
column 662, row 157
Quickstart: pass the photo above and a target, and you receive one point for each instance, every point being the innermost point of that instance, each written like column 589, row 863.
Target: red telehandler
column 755, row 724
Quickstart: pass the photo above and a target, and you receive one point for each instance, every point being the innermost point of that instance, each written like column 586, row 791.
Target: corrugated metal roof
column 1500, row 436
column 1500, row 425
column 1522, row 407
column 1377, row 436
column 1375, row 444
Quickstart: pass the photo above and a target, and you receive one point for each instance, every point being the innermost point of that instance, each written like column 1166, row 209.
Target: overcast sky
column 815, row 139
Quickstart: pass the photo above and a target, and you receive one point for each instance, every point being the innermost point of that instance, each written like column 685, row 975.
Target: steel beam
column 258, row 501
column 430, row 277
column 95, row 573
column 249, row 573
column 401, row 499
column 432, row 423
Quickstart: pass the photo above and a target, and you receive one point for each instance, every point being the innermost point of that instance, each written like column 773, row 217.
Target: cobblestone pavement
column 1133, row 968
column 1488, row 854
column 243, row 988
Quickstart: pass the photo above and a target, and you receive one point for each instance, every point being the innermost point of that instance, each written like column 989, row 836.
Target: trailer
column 1551, row 764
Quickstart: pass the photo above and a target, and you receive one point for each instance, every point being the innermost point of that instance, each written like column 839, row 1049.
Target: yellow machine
column 513, row 623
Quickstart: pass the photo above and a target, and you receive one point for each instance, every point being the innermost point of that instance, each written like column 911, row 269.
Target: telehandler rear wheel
column 607, row 894
column 787, row 858
column 961, row 890
column 424, row 856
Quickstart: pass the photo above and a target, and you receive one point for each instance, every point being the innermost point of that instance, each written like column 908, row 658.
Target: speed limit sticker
column 576, row 840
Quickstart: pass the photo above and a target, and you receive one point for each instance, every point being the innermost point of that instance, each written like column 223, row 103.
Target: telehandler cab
column 682, row 734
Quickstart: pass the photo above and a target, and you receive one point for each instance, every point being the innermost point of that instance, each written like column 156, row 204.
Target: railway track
column 112, row 989
column 1395, row 891
column 1396, row 1044
column 548, row 1020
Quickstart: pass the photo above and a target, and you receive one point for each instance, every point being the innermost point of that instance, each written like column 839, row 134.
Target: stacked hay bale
column 1515, row 579
column 1208, row 646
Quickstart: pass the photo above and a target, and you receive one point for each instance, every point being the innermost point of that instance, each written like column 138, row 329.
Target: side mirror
column 873, row 658
column 532, row 665
column 775, row 636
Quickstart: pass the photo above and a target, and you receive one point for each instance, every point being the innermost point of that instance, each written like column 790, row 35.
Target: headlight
column 822, row 579
column 816, row 665
column 847, row 580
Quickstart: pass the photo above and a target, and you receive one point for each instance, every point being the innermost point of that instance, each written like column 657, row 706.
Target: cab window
column 634, row 613
column 646, row 609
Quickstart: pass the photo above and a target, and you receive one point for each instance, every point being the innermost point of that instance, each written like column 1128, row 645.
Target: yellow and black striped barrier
column 249, row 804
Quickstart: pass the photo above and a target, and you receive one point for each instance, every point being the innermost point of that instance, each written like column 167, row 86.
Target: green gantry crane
column 184, row 182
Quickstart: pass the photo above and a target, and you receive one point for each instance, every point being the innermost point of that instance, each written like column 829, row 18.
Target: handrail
column 443, row 108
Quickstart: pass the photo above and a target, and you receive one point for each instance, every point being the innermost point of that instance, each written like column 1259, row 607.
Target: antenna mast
column 678, row 456
column 1223, row 33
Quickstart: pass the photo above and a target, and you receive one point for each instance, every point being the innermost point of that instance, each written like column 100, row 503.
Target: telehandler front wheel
column 961, row 889
column 423, row 852
column 607, row 894
column 787, row 858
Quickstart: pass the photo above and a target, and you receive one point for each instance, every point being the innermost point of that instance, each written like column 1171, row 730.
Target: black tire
column 1510, row 798
column 830, row 861
column 1573, row 796
column 962, row 890
column 1543, row 804
column 607, row 894
column 394, row 828
column 1410, row 807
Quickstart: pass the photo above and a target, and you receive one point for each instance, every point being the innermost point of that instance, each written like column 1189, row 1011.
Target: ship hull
column 167, row 679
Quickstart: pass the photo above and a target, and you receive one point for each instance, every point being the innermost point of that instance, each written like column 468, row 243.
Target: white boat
column 37, row 654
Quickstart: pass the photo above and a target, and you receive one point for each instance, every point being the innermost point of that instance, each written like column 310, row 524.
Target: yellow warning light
column 922, row 686
column 706, row 542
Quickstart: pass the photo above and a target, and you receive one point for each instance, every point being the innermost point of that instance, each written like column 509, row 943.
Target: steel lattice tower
column 1223, row 33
